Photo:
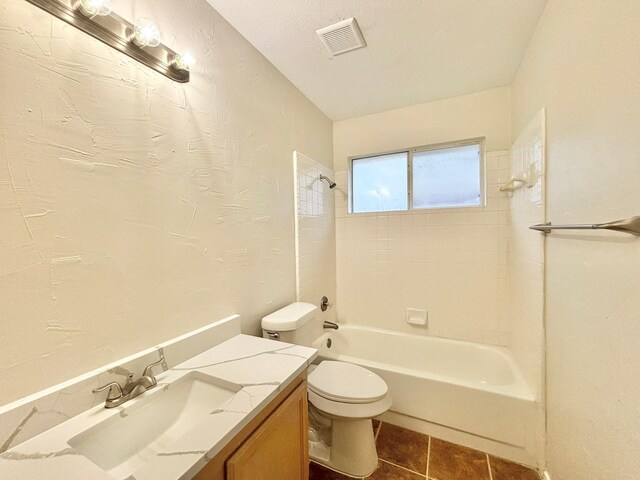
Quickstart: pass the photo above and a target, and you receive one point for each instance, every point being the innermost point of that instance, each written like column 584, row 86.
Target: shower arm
column 331, row 183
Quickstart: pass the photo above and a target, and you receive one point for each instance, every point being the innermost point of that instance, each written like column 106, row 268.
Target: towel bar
column 629, row 225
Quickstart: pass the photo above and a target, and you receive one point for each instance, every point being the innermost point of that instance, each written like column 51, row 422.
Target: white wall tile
column 451, row 262
column 318, row 225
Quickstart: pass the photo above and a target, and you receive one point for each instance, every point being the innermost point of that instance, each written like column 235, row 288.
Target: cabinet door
column 278, row 449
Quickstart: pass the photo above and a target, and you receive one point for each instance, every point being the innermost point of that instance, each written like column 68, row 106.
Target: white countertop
column 262, row 367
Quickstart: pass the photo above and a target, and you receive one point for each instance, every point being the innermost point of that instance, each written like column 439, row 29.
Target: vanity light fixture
column 184, row 62
column 91, row 8
column 146, row 33
column 140, row 41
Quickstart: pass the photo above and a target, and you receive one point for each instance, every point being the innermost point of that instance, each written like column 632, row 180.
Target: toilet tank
column 296, row 323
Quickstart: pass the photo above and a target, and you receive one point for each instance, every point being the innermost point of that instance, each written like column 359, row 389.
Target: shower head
column 331, row 183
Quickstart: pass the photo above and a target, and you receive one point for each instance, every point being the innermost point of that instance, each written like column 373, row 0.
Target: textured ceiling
column 418, row 50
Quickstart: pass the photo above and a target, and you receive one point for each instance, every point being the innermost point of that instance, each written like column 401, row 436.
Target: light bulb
column 146, row 33
column 92, row 8
column 185, row 61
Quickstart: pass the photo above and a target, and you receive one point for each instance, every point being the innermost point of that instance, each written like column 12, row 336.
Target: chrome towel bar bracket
column 629, row 225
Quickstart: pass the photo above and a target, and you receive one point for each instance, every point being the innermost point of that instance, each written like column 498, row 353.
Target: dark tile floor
column 407, row 455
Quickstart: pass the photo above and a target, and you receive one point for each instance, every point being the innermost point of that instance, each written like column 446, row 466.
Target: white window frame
column 480, row 141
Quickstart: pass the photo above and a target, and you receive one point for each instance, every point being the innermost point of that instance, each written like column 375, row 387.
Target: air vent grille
column 342, row 37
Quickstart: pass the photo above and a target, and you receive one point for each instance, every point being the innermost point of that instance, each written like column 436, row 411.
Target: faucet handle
column 147, row 370
column 324, row 304
column 115, row 390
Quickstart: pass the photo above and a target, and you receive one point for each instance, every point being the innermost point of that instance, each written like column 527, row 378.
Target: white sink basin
column 124, row 443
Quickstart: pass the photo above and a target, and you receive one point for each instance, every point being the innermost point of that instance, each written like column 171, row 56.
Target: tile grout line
column 428, row 456
column 428, row 465
column 401, row 467
column 375, row 436
column 489, row 466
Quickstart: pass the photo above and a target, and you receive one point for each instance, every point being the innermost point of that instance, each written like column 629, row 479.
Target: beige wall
column 134, row 209
column 479, row 114
column 450, row 262
column 525, row 263
column 525, row 267
column 583, row 65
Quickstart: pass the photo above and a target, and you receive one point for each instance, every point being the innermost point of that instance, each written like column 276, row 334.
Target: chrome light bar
column 118, row 33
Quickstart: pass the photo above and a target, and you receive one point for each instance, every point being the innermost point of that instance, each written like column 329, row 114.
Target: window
column 379, row 183
column 447, row 177
column 438, row 176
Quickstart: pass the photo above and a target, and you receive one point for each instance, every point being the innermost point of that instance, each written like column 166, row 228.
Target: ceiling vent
column 342, row 37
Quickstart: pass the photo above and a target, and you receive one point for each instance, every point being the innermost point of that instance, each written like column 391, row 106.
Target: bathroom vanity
column 236, row 411
column 272, row 446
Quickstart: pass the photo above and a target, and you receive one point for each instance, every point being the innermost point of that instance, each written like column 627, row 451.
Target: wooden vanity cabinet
column 273, row 446
column 278, row 448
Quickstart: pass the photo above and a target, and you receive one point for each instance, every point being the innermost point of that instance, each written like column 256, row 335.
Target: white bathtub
column 469, row 387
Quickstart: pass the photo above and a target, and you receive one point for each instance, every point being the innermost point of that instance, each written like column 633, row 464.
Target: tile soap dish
column 416, row 316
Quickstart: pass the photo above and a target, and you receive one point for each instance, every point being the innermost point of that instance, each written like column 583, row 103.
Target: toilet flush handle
column 274, row 335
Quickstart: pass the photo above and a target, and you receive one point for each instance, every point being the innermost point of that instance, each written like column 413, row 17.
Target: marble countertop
column 262, row 367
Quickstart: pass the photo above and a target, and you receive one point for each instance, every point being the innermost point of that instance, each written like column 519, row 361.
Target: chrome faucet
column 118, row 395
column 331, row 325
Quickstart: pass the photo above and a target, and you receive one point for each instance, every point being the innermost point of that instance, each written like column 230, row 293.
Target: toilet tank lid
column 291, row 317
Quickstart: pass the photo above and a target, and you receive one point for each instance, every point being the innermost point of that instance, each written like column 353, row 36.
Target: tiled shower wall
column 315, row 234
column 450, row 262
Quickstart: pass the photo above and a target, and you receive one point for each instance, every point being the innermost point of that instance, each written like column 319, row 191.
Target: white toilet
column 343, row 397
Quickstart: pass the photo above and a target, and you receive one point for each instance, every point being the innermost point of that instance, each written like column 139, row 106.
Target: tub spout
column 331, row 325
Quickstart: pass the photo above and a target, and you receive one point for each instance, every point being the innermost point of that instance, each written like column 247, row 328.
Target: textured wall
column 451, row 262
column 134, row 209
column 583, row 65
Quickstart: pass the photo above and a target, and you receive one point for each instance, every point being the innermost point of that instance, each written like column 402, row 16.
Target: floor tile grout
column 401, row 467
column 392, row 467
column 428, row 456
column 489, row 466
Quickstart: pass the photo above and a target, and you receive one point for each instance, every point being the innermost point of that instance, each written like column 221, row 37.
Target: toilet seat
column 352, row 411
column 348, row 391
column 346, row 383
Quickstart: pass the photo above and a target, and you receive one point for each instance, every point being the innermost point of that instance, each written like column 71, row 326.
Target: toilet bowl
column 343, row 397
